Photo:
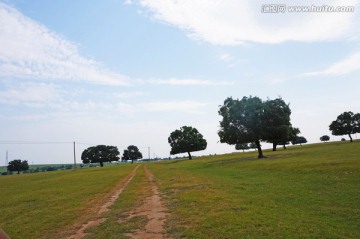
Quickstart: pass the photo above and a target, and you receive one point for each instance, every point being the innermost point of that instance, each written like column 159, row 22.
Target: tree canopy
column 100, row 154
column 251, row 120
column 299, row 140
column 278, row 129
column 347, row 123
column 325, row 138
column 18, row 165
column 186, row 140
column 131, row 153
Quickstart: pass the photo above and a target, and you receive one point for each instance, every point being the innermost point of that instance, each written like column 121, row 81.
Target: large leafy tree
column 17, row 165
column 276, row 120
column 347, row 123
column 131, row 153
column 100, row 154
column 242, row 122
column 186, row 140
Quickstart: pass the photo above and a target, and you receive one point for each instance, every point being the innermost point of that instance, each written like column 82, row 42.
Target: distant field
column 310, row 191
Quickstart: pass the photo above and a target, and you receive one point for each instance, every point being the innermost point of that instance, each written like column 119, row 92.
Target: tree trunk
column 189, row 155
column 258, row 146
column 350, row 138
column 284, row 146
column 18, row 172
column 101, row 164
column 274, row 146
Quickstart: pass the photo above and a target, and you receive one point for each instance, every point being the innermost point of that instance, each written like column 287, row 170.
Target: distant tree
column 347, row 123
column 324, row 138
column 242, row 147
column 18, row 165
column 100, row 154
column 299, row 140
column 186, row 140
column 277, row 127
column 343, row 139
column 251, row 120
column 131, row 153
column 252, row 146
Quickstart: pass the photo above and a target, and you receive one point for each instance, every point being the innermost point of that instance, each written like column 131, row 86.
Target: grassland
column 41, row 205
column 310, row 191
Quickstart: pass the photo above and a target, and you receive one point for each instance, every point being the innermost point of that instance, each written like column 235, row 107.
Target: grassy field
column 40, row 205
column 310, row 191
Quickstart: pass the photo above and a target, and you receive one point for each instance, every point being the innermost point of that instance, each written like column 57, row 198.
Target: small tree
column 299, row 140
column 347, row 123
column 186, row 140
column 100, row 154
column 324, row 138
column 242, row 147
column 17, row 165
column 131, row 153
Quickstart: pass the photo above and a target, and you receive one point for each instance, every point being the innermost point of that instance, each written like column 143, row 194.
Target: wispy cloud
column 185, row 82
column 30, row 50
column 234, row 22
column 30, row 93
column 346, row 66
column 185, row 106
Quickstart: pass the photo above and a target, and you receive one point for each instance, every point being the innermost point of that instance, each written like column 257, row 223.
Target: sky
column 127, row 72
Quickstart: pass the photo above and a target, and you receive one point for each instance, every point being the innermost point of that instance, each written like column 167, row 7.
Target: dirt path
column 154, row 210
column 105, row 207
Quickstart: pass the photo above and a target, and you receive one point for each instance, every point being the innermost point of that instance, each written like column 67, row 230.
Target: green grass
column 310, row 191
column 42, row 204
column 303, row 192
column 117, row 223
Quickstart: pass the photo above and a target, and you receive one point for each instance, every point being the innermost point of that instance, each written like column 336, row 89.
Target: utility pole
column 7, row 158
column 149, row 153
column 74, row 157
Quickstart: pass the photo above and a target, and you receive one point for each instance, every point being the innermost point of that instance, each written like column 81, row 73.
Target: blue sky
column 130, row 72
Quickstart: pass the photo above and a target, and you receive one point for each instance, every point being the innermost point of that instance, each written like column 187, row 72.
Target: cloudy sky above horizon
column 130, row 72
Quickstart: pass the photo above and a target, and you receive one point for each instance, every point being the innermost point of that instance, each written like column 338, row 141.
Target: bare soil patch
column 154, row 210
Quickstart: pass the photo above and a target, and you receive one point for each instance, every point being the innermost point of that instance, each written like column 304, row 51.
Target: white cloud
column 346, row 66
column 234, row 22
column 174, row 81
column 187, row 106
column 30, row 93
column 32, row 51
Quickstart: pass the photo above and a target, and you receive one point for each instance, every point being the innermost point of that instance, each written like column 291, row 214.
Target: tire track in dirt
column 154, row 210
column 80, row 233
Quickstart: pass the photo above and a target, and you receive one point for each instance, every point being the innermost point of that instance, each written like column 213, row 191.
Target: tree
column 325, row 138
column 278, row 129
column 18, row 165
column 242, row 147
column 347, row 123
column 242, row 122
column 100, row 154
column 186, row 140
column 250, row 120
column 299, row 140
column 131, row 153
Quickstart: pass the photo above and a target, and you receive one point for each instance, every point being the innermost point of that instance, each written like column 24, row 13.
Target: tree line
column 245, row 123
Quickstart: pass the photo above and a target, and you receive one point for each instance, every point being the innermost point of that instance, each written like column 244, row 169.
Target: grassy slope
column 311, row 191
column 38, row 205
column 303, row 192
